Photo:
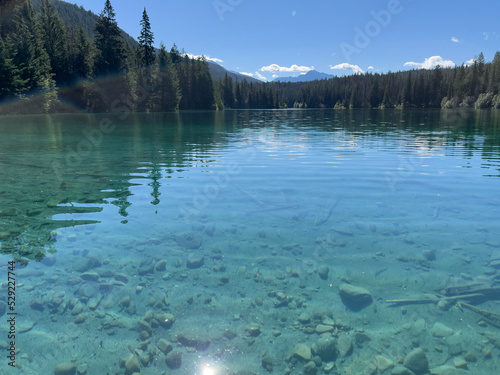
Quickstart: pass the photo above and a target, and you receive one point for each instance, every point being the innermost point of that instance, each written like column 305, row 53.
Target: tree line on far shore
column 465, row 86
column 47, row 66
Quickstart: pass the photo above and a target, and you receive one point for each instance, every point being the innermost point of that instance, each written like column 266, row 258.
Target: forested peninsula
column 54, row 59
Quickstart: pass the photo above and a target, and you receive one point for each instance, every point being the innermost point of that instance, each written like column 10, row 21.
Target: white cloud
column 260, row 76
column 275, row 76
column 345, row 66
column 431, row 63
column 273, row 68
column 471, row 61
column 488, row 34
column 455, row 40
column 371, row 68
column 213, row 59
column 256, row 75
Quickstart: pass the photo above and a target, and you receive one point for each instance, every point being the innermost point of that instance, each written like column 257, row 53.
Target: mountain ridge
column 218, row 72
column 311, row 75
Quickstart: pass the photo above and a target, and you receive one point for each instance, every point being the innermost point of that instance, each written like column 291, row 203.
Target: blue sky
column 271, row 38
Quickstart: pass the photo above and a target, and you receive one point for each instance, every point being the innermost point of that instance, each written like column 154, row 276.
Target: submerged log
column 401, row 302
column 488, row 316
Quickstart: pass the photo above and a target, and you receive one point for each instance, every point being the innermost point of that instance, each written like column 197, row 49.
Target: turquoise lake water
column 220, row 242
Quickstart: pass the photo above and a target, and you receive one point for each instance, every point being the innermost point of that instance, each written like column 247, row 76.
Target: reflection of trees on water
column 55, row 165
column 155, row 176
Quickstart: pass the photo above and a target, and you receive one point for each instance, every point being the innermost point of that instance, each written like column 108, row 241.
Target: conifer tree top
column 108, row 11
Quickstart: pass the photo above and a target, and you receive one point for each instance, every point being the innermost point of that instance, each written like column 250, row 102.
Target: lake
column 250, row 242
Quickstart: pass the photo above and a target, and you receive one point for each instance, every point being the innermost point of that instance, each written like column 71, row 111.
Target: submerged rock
column 79, row 319
column 361, row 338
column 448, row 370
column 174, row 359
column 383, row 363
column 304, row 318
column 417, row 362
column 8, row 212
column 326, row 348
column 344, row 345
column 82, row 369
column 4, row 235
column 267, row 363
column 66, row 368
column 323, row 272
column 400, row 370
column 188, row 240
column 161, row 266
column 37, row 304
column 146, row 268
column 361, row 368
column 86, row 291
column 165, row 346
column 49, row 260
column 355, row 297
column 195, row 262
column 165, row 319
column 323, row 328
column 87, row 264
column 125, row 302
column 440, row 330
column 430, row 255
column 302, row 351
column 194, row 340
column 310, row 368
column 132, row 365
column 253, row 330
column 454, row 344
column 90, row 276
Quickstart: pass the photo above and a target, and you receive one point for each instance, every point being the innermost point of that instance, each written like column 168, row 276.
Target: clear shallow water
column 245, row 207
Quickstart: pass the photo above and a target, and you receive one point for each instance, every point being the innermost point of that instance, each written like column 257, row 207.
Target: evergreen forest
column 57, row 57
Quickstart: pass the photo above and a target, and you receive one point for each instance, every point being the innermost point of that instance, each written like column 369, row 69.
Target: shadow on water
column 74, row 165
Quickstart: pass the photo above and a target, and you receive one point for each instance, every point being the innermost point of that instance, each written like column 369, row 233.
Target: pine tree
column 167, row 96
column 110, row 51
column 386, row 102
column 203, row 85
column 227, row 92
column 55, row 42
column 419, row 92
column 110, row 65
column 146, row 39
column 81, row 55
column 175, row 54
column 80, row 69
column 406, row 98
column 32, row 59
column 145, row 60
column 238, row 97
column 185, row 72
column 435, row 87
column 374, row 93
column 10, row 79
column 495, row 73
